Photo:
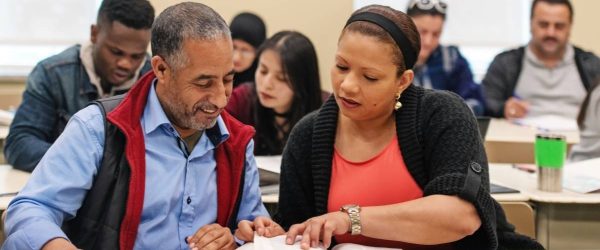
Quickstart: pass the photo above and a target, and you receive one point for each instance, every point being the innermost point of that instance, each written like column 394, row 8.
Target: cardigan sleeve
column 296, row 202
column 453, row 150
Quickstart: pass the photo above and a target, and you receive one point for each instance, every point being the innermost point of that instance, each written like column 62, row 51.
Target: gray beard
column 177, row 114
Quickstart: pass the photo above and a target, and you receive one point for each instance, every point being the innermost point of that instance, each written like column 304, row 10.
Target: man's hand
column 515, row 108
column 212, row 236
column 58, row 244
column 262, row 225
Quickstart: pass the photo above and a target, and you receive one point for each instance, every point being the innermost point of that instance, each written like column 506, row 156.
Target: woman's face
column 364, row 77
column 272, row 85
column 243, row 55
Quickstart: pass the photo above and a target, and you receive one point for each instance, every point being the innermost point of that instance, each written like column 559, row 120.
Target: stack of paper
column 549, row 123
column 582, row 177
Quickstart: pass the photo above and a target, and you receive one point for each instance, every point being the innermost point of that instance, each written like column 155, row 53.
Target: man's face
column 550, row 29
column 118, row 51
column 430, row 29
column 195, row 93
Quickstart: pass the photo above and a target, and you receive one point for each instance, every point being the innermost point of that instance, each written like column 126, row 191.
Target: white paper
column 275, row 243
column 350, row 246
column 6, row 117
column 278, row 243
column 583, row 176
column 270, row 163
column 549, row 123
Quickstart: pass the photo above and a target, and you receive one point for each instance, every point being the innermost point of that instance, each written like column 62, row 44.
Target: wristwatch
column 353, row 211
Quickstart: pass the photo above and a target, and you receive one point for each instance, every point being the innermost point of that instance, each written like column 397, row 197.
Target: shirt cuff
column 36, row 235
column 238, row 241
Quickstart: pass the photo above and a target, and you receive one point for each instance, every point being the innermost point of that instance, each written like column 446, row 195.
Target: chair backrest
column 484, row 123
column 521, row 215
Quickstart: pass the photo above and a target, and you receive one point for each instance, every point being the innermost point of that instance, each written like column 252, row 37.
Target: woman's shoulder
column 443, row 100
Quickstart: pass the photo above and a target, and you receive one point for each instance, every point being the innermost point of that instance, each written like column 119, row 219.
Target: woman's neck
column 374, row 128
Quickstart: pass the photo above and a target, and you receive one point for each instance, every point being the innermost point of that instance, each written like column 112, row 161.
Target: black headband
column 409, row 54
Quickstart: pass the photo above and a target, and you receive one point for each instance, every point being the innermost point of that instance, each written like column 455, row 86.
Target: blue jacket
column 56, row 88
column 447, row 69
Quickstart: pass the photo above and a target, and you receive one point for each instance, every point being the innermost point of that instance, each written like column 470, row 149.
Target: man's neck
column 549, row 60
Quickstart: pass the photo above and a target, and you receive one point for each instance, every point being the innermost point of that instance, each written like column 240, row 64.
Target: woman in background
column 589, row 125
column 248, row 32
column 383, row 162
column 287, row 88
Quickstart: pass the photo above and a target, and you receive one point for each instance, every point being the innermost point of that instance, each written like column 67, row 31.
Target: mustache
column 550, row 39
column 203, row 105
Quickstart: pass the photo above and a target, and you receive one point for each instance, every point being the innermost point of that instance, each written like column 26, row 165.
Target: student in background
column 287, row 88
column 441, row 67
column 161, row 169
column 248, row 32
column 384, row 162
column 109, row 64
column 589, row 125
column 548, row 76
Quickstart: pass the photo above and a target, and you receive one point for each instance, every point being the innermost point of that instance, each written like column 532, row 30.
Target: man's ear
column 160, row 67
column 94, row 30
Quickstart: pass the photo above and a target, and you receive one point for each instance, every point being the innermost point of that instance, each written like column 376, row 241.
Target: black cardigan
column 440, row 145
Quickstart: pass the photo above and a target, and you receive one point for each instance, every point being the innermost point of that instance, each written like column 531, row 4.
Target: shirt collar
column 568, row 57
column 85, row 55
column 154, row 117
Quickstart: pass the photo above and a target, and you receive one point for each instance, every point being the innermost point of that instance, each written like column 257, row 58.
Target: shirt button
column 189, row 200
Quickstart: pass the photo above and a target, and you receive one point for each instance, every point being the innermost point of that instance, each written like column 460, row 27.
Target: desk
column 11, row 180
column 564, row 220
column 506, row 142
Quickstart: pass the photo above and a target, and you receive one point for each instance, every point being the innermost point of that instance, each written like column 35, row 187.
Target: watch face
column 347, row 207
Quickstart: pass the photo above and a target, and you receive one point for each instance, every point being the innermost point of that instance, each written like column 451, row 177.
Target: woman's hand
column 319, row 228
column 262, row 225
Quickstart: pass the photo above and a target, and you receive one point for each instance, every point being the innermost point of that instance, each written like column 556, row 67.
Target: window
column 31, row 30
column 481, row 28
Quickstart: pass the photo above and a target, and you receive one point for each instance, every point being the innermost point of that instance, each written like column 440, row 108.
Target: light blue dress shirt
column 180, row 194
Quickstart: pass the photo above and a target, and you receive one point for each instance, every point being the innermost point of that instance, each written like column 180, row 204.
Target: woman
column 287, row 88
column 589, row 115
column 248, row 32
column 411, row 159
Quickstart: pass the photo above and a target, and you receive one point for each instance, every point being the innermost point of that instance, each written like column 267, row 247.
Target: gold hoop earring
column 398, row 103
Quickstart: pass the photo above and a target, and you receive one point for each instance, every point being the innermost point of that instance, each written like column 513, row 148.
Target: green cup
column 550, row 154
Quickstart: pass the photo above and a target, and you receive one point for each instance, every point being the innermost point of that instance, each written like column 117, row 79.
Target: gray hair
column 183, row 21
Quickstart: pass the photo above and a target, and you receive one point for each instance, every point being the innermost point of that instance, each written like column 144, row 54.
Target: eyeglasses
column 439, row 5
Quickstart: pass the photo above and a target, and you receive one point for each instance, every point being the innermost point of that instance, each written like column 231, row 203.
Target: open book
column 278, row 243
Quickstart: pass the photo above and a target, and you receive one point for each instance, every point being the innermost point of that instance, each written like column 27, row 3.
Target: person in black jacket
column 385, row 163
column 548, row 76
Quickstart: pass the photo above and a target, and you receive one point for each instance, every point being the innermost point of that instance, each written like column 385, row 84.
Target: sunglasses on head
column 438, row 5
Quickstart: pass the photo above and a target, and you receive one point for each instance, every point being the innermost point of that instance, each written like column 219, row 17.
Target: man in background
column 441, row 67
column 107, row 65
column 548, row 76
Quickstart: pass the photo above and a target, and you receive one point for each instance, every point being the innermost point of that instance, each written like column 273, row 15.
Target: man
column 548, row 76
column 63, row 84
column 168, row 164
column 441, row 67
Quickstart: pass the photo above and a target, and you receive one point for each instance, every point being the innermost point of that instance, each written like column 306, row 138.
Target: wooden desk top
column 507, row 175
column 11, row 181
column 501, row 130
